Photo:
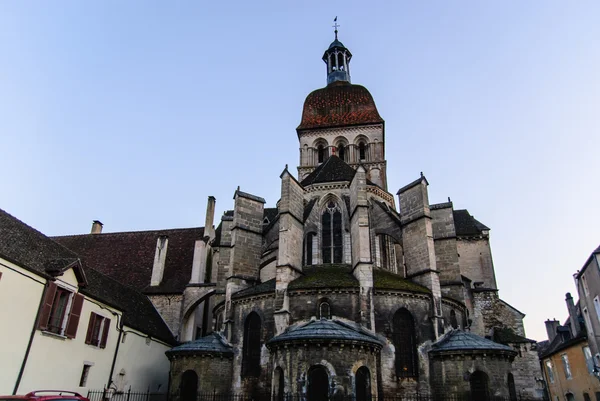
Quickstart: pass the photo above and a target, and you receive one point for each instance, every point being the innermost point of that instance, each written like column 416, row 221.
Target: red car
column 46, row 395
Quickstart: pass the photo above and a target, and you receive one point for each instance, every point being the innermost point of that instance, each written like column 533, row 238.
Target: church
column 343, row 289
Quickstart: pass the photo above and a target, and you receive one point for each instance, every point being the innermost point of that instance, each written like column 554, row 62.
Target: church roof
column 339, row 104
column 326, row 330
column 336, row 43
column 467, row 225
column 332, row 170
column 213, row 343
column 507, row 335
column 458, row 340
column 128, row 257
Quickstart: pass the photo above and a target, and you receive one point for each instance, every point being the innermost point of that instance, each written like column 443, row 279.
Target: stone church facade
column 341, row 290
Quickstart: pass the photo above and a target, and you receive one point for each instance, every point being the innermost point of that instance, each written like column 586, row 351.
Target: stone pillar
column 160, row 256
column 289, row 257
column 417, row 239
column 446, row 253
column 209, row 229
column 362, row 264
column 199, row 262
column 246, row 247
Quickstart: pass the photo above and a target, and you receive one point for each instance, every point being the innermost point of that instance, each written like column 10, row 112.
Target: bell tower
column 337, row 58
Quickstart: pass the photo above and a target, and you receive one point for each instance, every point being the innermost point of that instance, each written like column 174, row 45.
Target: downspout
column 114, row 362
column 33, row 329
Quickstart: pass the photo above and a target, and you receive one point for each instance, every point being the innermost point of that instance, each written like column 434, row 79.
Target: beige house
column 71, row 327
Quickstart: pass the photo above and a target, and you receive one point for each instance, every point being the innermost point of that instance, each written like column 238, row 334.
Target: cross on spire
column 336, row 26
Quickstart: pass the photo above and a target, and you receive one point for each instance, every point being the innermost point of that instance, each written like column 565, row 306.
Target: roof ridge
column 103, row 234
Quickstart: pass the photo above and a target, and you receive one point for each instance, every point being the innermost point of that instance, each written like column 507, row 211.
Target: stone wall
column 169, row 307
column 475, row 260
column 213, row 374
column 344, row 304
column 526, row 369
column 247, row 235
column 491, row 312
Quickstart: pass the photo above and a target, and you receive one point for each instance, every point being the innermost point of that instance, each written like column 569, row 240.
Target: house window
column 60, row 311
column 332, row 244
column 589, row 360
column 566, row 366
column 251, row 350
column 404, row 339
column 84, row 375
column 588, row 322
column 597, row 307
column 98, row 328
column 550, row 371
column 586, row 290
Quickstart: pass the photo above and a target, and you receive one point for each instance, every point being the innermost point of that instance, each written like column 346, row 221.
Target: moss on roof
column 325, row 276
column 386, row 280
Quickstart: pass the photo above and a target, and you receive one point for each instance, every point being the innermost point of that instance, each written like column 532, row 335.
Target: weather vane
column 336, row 26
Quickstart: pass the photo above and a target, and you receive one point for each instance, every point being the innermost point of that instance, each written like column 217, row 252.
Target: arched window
column 308, row 249
column 321, row 153
column 453, row 320
column 331, row 239
column 324, row 310
column 479, row 383
column 362, row 151
column 512, row 391
column 251, row 351
column 189, row 386
column 404, row 340
column 342, row 152
column 362, row 384
column 318, row 384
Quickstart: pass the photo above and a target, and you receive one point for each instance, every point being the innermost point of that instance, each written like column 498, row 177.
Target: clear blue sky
column 134, row 112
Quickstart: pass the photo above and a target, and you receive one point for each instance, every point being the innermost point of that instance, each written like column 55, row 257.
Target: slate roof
column 332, row 170
column 561, row 341
column 386, row 280
column 339, row 104
column 138, row 311
column 30, row 249
column 328, row 330
column 325, row 276
column 467, row 225
column 213, row 343
column 266, row 287
column 458, row 340
column 508, row 336
column 128, row 257
column 309, row 207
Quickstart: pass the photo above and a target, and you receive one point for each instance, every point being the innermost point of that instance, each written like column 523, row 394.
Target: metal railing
column 111, row 395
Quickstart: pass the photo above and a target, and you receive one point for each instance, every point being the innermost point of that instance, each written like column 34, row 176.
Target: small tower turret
column 337, row 58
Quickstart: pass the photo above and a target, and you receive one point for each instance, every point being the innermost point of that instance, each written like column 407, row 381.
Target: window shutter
column 90, row 330
column 74, row 316
column 105, row 333
column 47, row 306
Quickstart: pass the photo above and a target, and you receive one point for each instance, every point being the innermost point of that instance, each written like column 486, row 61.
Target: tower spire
column 335, row 26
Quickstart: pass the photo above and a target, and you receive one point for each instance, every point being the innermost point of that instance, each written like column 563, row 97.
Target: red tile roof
column 339, row 104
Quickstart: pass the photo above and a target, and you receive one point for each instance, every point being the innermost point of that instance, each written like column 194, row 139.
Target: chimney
column 210, row 217
column 573, row 317
column 160, row 255
column 551, row 326
column 96, row 227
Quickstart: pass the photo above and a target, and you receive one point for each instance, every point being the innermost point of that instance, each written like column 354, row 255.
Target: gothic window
column 308, row 249
column 404, row 340
column 342, row 152
column 362, row 151
column 512, row 391
column 321, row 153
column 479, row 384
column 453, row 320
column 331, row 229
column 279, row 380
column 251, row 351
column 363, row 384
column 324, row 310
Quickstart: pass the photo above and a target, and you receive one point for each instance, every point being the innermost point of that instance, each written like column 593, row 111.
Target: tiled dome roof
column 338, row 104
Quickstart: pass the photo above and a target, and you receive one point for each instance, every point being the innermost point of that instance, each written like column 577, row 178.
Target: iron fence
column 109, row 395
